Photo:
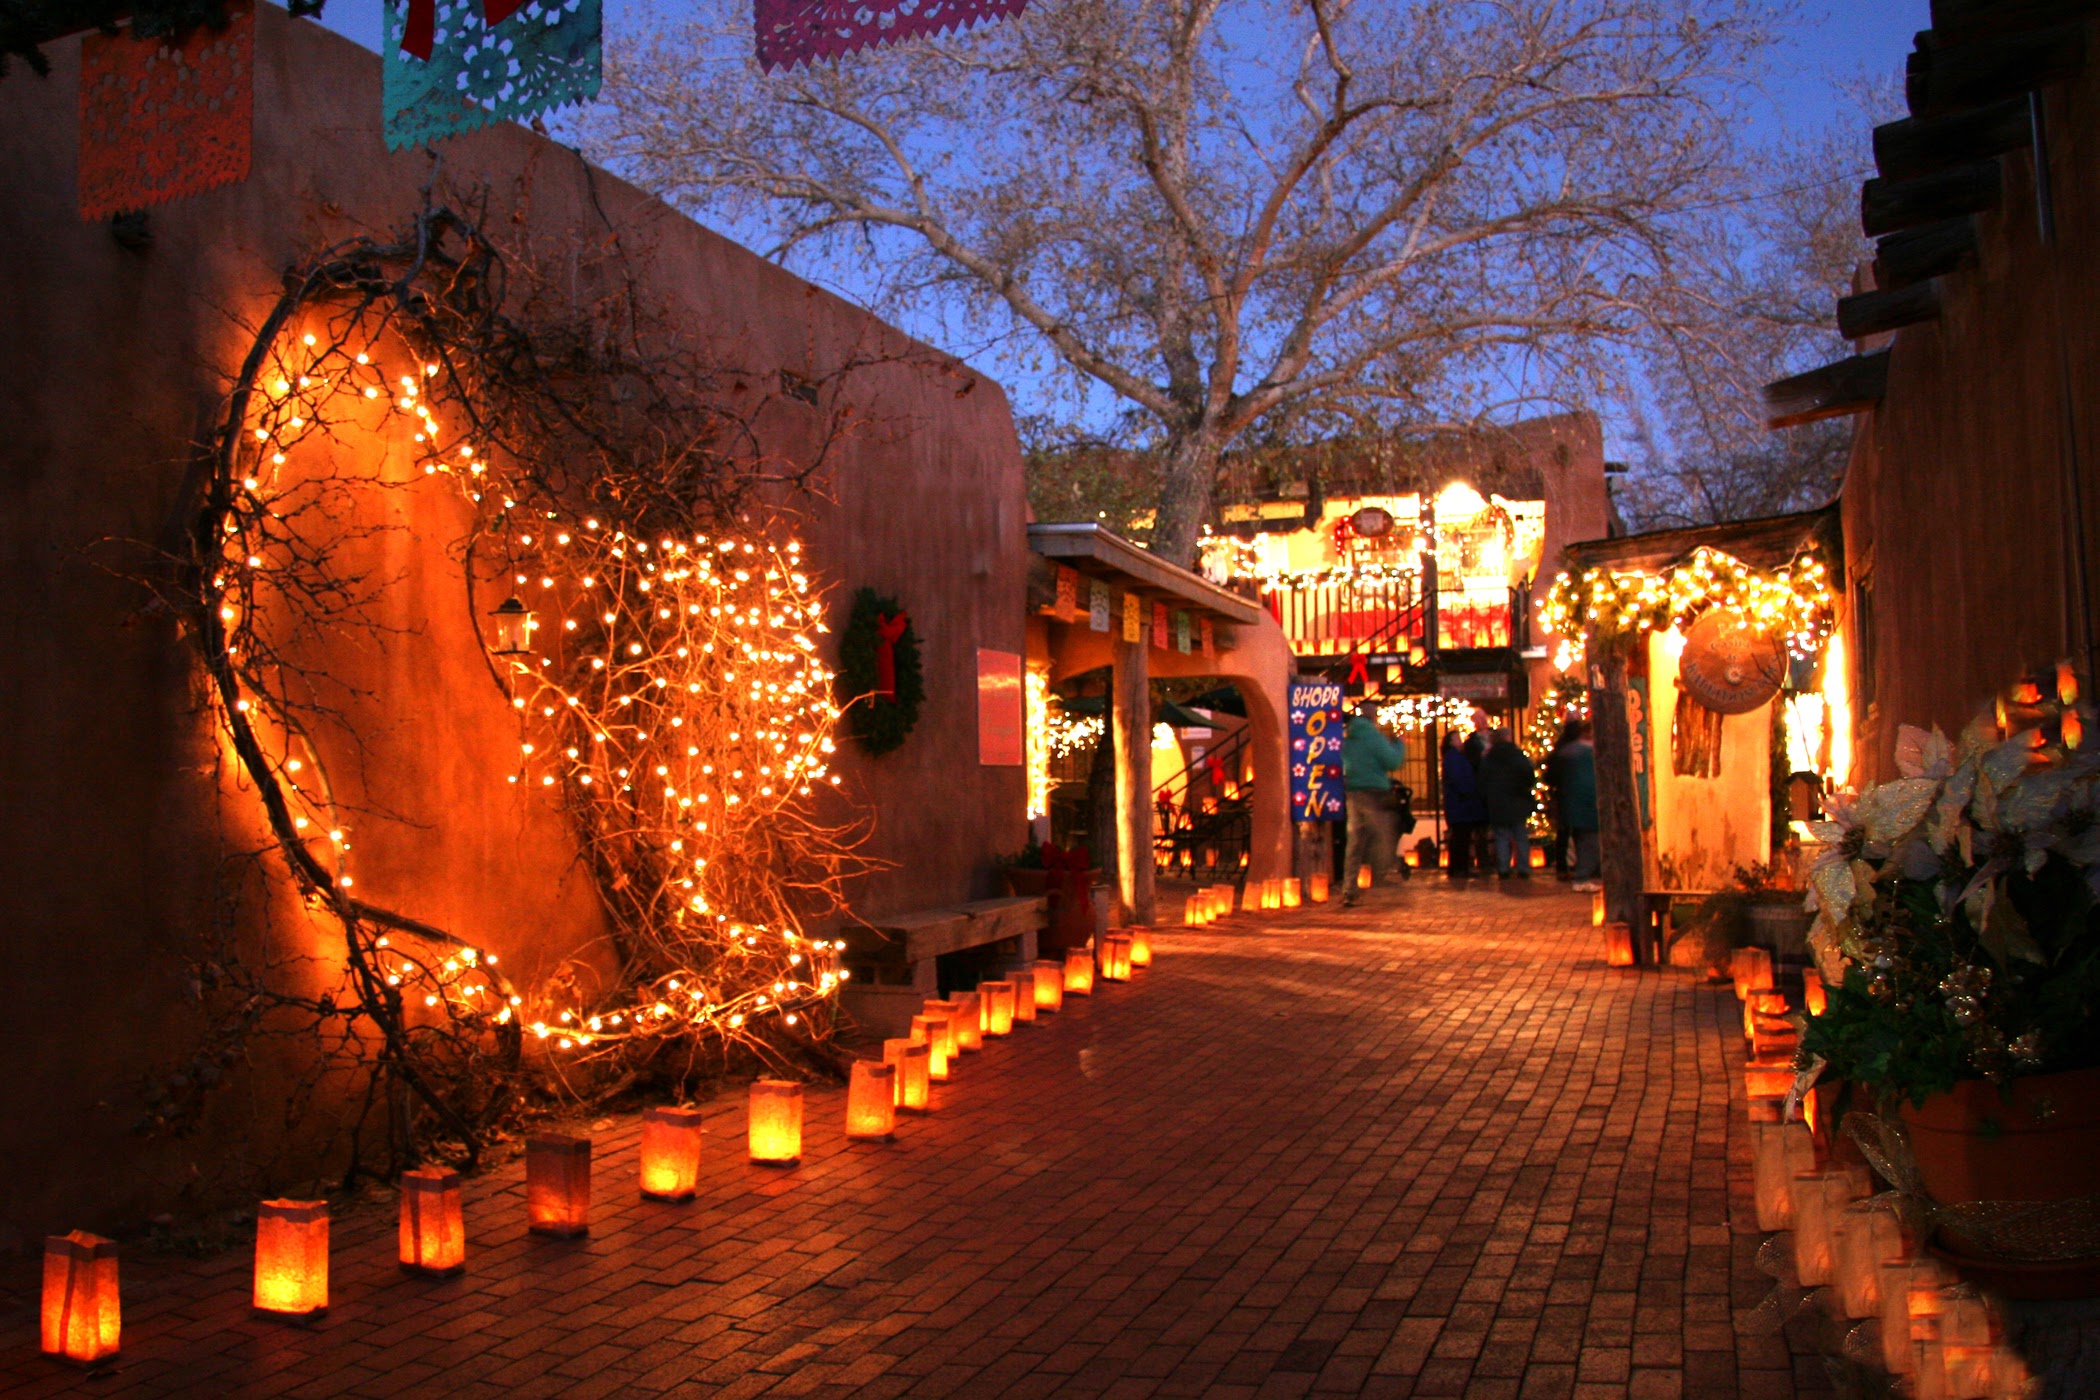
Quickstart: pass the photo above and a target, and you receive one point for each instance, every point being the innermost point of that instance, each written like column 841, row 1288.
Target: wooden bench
column 893, row 959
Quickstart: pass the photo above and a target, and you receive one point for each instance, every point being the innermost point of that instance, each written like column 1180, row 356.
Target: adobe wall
column 1953, row 501
column 111, row 778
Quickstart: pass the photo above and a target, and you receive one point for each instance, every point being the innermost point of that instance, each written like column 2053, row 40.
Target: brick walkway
column 1429, row 1147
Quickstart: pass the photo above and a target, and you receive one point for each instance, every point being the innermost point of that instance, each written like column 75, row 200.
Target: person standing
column 1576, row 760
column 1563, row 839
column 1505, row 788
column 1369, row 761
column 1464, row 812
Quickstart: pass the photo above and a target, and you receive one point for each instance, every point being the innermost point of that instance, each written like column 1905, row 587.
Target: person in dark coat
column 1464, row 813
column 1576, row 761
column 1505, row 789
column 1563, row 838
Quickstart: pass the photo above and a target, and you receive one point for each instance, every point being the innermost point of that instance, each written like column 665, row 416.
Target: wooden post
column 1132, row 691
column 1618, row 812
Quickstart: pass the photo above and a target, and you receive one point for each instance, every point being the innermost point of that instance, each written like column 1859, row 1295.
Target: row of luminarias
column 1214, row 902
column 80, row 1299
column 1936, row 1331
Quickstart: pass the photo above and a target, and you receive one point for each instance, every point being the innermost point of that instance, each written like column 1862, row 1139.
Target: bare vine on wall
column 661, row 654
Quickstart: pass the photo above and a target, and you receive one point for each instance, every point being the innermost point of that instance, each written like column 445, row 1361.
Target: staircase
column 1203, row 814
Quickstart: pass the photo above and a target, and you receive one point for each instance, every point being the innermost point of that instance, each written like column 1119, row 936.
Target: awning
column 1102, row 554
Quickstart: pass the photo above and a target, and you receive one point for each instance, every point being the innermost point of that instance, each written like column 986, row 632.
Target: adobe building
column 120, row 805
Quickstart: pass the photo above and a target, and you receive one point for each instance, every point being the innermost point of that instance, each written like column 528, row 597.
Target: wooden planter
column 2038, row 1142
column 1026, row 882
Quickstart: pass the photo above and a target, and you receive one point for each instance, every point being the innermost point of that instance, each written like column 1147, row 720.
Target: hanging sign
column 1067, row 593
column 1097, row 608
column 1159, row 626
column 1181, row 633
column 161, row 121
column 1640, row 733
column 1729, row 666
column 1210, row 640
column 1133, row 618
column 1316, row 751
column 999, row 708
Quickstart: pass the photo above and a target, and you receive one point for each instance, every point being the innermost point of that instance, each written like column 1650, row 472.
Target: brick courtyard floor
column 1431, row 1146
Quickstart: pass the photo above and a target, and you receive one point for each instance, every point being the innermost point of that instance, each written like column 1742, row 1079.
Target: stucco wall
column 1954, row 499
column 113, row 364
column 1706, row 827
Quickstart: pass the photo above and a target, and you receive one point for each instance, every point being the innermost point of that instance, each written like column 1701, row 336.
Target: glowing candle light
column 931, row 1031
column 1766, row 1003
column 671, row 1153
column 558, row 1185
column 950, row 1014
column 1293, row 892
column 1320, row 884
column 1049, row 985
column 871, row 1101
column 1768, row 1079
column 1618, row 945
column 1363, row 877
column 433, row 1223
column 1194, row 912
column 969, row 1021
column 1023, row 981
column 912, row 1061
column 81, row 1314
column 776, row 1122
column 1079, row 972
column 1814, row 996
column 998, row 1007
column 1597, row 918
column 1752, row 970
column 1140, row 946
column 1115, row 957
column 291, row 1258
column 1868, row 1237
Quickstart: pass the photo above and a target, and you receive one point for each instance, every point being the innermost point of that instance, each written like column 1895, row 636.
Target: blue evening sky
column 1828, row 48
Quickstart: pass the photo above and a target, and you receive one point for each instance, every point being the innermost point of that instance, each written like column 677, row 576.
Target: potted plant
column 1958, row 929
column 1024, row 872
column 1758, row 909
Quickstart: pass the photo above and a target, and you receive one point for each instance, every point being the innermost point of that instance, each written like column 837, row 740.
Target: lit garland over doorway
column 665, row 674
column 1793, row 602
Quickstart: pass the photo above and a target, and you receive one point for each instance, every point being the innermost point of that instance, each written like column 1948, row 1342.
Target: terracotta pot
column 2040, row 1141
column 1023, row 881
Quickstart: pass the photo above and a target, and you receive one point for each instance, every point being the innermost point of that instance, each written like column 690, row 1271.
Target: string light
column 1793, row 603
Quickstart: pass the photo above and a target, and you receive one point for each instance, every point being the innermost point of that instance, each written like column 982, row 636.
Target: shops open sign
column 1316, row 751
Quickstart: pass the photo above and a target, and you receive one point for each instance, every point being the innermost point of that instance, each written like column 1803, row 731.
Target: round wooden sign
column 1728, row 666
column 1372, row 522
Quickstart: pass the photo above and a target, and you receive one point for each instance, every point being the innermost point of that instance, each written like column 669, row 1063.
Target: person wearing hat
column 1369, row 762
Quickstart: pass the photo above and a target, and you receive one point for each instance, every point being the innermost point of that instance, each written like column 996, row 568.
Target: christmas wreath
column 880, row 683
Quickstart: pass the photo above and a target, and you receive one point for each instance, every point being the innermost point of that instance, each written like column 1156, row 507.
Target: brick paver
column 1429, row 1147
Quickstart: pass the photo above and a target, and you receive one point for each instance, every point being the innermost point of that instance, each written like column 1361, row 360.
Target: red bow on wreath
column 888, row 632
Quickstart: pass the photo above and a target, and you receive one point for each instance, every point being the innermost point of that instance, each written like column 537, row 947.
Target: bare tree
column 1226, row 212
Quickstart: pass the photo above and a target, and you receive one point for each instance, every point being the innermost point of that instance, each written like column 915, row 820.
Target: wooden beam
column 1921, row 145
column 1130, row 717
column 1848, row 386
column 1888, row 205
column 1941, row 80
column 1871, row 313
column 1930, row 250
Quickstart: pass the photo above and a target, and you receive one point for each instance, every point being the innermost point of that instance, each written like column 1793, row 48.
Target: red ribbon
column 1359, row 674
column 888, row 632
column 1068, row 869
column 419, row 34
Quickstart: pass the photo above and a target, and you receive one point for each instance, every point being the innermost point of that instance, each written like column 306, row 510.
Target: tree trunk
column 1101, row 799
column 1188, row 481
column 1618, row 807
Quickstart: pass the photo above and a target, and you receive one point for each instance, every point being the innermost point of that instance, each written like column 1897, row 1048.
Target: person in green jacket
column 1369, row 761
column 1575, row 766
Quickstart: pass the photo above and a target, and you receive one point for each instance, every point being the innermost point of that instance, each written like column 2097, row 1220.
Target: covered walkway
column 1432, row 1146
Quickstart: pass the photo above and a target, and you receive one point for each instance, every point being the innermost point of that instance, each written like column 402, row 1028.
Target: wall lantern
column 1115, row 957
column 513, row 628
column 931, row 1031
column 776, row 1121
column 433, row 1223
column 1319, row 886
column 671, row 1154
column 80, row 1309
column 1140, row 946
column 969, row 1021
column 1049, row 985
column 291, row 1258
column 998, row 1007
column 912, row 1061
column 558, row 1185
column 1618, row 945
column 871, row 1102
column 1079, row 972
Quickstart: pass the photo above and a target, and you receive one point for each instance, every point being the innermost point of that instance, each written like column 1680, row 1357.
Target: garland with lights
column 679, row 710
column 1793, row 602
column 880, row 682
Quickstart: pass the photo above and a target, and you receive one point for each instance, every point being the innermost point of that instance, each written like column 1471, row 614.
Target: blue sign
column 1316, row 751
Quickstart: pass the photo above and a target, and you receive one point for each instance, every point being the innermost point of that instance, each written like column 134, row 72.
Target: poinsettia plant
column 1958, row 907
